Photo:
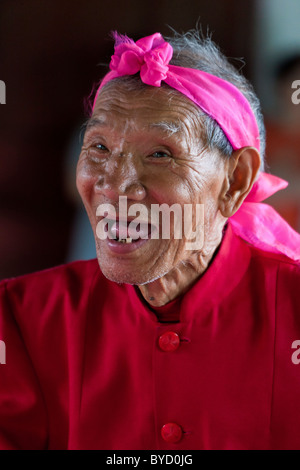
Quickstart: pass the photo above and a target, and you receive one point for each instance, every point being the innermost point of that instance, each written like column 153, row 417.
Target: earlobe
column 243, row 167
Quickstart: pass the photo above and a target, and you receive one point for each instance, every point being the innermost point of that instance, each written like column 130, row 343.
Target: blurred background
column 50, row 52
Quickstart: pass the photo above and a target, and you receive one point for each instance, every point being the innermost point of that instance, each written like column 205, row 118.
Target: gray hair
column 194, row 50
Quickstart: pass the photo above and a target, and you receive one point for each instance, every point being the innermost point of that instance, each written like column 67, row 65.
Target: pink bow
column 150, row 56
column 217, row 97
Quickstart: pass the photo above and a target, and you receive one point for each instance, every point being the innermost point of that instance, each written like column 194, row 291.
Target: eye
column 96, row 152
column 160, row 154
column 100, row 147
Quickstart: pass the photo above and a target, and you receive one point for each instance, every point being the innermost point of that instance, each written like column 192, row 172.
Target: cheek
column 205, row 190
column 85, row 184
column 197, row 176
column 170, row 193
column 170, row 185
column 85, row 180
column 208, row 180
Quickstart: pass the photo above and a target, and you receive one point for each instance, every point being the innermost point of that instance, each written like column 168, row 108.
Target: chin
column 123, row 276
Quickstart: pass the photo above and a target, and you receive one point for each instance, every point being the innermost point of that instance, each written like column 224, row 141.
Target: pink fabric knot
column 150, row 56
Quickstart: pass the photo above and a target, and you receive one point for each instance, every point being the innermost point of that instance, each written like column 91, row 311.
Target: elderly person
column 166, row 346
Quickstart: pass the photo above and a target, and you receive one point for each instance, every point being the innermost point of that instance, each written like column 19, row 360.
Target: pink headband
column 258, row 224
column 216, row 97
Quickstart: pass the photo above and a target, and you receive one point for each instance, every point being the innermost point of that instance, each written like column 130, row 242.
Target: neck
column 181, row 278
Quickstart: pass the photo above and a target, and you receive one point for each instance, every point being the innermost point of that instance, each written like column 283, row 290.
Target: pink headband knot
column 150, row 58
column 218, row 98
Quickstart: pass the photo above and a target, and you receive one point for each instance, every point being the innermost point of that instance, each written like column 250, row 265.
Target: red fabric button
column 171, row 432
column 169, row 341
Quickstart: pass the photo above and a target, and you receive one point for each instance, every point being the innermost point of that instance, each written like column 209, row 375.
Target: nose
column 121, row 176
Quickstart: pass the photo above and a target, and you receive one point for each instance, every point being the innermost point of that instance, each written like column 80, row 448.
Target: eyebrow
column 94, row 122
column 167, row 126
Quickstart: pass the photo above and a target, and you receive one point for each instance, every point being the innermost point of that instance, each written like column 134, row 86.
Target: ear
column 242, row 169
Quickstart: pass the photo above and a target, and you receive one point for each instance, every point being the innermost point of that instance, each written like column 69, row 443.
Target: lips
column 125, row 230
column 122, row 230
column 125, row 236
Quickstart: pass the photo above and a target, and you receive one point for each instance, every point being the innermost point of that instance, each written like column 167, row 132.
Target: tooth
column 125, row 240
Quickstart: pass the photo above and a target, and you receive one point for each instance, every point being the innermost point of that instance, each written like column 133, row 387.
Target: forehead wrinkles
column 162, row 108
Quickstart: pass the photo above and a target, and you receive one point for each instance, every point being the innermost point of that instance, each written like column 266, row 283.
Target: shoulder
column 278, row 276
column 281, row 263
column 36, row 290
column 77, row 270
column 262, row 265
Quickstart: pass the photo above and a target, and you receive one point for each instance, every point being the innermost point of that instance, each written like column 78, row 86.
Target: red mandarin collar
column 223, row 274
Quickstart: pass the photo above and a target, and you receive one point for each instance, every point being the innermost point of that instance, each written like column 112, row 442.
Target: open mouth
column 125, row 240
column 129, row 232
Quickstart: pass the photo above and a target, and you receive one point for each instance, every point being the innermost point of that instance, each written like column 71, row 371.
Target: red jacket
column 86, row 368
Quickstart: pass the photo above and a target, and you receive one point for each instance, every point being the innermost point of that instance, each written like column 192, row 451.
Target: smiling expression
column 147, row 145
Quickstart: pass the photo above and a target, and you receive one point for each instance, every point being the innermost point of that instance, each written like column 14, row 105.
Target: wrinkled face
column 146, row 145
